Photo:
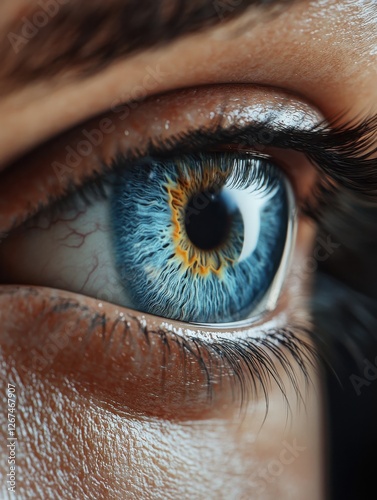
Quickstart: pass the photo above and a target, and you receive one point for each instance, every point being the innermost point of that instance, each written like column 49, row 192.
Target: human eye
column 198, row 238
column 183, row 210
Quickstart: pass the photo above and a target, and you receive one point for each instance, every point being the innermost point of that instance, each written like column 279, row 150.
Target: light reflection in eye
column 199, row 239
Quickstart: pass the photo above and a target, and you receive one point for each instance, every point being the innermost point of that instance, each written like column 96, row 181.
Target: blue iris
column 200, row 238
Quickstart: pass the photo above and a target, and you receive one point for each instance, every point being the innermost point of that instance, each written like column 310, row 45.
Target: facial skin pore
column 76, row 441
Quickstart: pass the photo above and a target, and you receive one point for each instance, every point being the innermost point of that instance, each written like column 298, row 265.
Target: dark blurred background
column 345, row 315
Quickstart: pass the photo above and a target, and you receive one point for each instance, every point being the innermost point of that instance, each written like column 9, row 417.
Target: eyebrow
column 53, row 37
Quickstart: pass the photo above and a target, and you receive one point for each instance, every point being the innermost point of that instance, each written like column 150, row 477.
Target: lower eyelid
column 125, row 368
column 114, row 360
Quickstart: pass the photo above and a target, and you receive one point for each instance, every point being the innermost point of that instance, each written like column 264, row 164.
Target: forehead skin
column 69, row 446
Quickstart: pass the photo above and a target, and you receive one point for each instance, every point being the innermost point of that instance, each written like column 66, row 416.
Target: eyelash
column 343, row 153
column 249, row 361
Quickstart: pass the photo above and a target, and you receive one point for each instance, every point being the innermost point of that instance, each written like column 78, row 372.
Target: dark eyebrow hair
column 55, row 36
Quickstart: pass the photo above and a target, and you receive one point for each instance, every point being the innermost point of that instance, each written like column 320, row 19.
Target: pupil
column 208, row 220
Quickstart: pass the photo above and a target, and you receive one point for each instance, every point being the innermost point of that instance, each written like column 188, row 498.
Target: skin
column 77, row 436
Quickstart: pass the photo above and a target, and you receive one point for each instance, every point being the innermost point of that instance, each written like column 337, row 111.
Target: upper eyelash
column 343, row 152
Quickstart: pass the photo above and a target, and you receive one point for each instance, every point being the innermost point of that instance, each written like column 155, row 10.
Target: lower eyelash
column 258, row 368
column 252, row 363
column 280, row 356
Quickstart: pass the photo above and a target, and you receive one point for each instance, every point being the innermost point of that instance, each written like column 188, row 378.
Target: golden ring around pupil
column 198, row 261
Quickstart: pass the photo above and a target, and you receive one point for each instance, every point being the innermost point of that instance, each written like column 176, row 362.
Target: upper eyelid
column 219, row 95
column 333, row 145
column 330, row 144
